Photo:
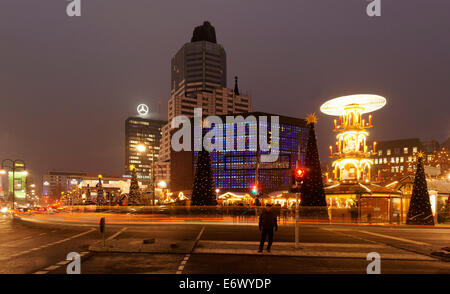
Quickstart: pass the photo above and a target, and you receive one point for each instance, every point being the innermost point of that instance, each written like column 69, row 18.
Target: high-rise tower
column 199, row 65
column 199, row 81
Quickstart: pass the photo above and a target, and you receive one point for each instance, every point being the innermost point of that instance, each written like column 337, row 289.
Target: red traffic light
column 299, row 174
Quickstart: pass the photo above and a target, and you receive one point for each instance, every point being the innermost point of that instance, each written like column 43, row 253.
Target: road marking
column 57, row 265
column 307, row 253
column 290, row 244
column 186, row 258
column 116, row 234
column 397, row 238
column 47, row 245
column 42, row 234
column 198, row 238
column 51, row 268
column 64, row 262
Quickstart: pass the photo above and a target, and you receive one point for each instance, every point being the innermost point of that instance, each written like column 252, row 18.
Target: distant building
column 56, row 182
column 198, row 81
column 236, row 170
column 397, row 158
column 145, row 132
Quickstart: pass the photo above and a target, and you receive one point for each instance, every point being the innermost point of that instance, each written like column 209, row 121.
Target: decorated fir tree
column 313, row 203
column 100, row 191
column 203, row 190
column 135, row 195
column 419, row 212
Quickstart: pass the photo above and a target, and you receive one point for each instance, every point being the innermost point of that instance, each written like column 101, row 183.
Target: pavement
column 187, row 248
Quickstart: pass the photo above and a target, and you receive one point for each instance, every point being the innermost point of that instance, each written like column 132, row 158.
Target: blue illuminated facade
column 236, row 170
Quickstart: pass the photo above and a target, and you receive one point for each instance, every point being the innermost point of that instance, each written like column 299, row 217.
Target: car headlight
column 4, row 210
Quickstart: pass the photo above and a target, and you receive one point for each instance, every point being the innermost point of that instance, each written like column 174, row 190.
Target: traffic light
column 299, row 174
column 255, row 190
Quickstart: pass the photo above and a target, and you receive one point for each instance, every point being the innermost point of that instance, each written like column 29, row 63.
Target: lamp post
column 12, row 165
column 299, row 175
column 217, row 193
column 141, row 148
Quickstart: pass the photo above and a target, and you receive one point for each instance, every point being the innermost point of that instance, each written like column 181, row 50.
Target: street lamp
column 217, row 193
column 141, row 148
column 162, row 184
column 12, row 165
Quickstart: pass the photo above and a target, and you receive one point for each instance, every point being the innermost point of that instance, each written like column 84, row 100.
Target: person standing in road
column 267, row 222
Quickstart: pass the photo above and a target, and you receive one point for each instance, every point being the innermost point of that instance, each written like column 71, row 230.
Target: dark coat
column 268, row 220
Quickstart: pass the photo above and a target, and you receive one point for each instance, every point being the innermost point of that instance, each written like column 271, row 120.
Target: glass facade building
column 236, row 170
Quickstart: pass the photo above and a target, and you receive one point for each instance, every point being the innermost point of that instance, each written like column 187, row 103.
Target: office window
column 376, row 160
column 401, row 159
column 397, row 160
column 380, row 152
column 392, row 160
column 385, row 160
column 405, row 150
column 414, row 149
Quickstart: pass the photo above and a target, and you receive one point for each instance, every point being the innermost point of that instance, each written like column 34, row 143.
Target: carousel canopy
column 368, row 102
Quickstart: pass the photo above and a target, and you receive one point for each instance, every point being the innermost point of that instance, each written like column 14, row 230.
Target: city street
column 222, row 248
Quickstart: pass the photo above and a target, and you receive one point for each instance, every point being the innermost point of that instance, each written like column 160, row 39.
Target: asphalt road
column 42, row 248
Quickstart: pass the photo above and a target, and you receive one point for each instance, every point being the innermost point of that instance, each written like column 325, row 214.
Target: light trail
column 140, row 219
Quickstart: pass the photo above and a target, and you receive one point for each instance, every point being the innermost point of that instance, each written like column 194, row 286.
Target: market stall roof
column 277, row 193
column 441, row 186
column 232, row 194
column 359, row 188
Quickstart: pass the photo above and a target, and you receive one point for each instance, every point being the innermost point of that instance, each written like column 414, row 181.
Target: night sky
column 68, row 84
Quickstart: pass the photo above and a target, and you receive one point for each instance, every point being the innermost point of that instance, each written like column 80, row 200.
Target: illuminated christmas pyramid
column 353, row 162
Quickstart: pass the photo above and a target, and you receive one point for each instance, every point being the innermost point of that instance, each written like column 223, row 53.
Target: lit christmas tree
column 203, row 192
column 135, row 195
column 313, row 202
column 419, row 212
column 100, row 191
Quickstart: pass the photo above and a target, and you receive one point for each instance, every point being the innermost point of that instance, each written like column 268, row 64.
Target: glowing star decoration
column 142, row 109
column 353, row 163
column 420, row 154
column 132, row 166
column 311, row 118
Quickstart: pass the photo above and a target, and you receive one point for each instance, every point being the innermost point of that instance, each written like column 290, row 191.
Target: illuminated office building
column 142, row 132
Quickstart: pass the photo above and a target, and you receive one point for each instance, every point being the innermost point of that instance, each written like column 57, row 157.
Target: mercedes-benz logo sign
column 142, row 109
